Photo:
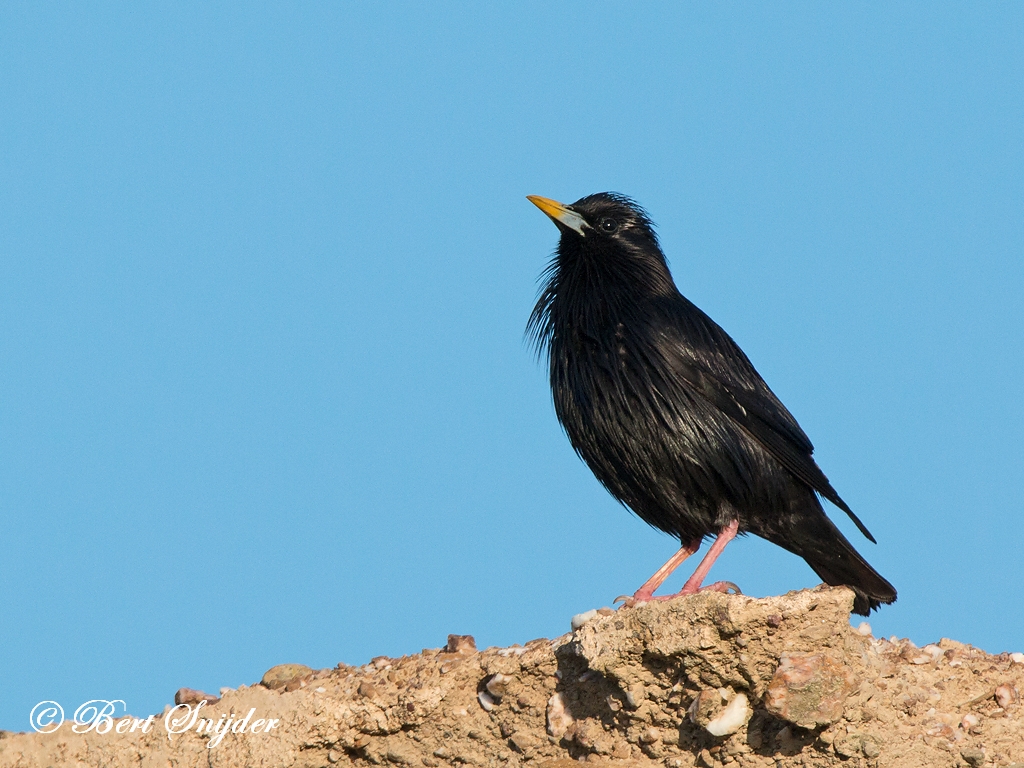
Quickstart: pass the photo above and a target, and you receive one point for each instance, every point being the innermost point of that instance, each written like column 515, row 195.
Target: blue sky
column 264, row 275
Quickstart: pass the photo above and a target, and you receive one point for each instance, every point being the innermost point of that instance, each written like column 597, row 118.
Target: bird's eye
column 608, row 225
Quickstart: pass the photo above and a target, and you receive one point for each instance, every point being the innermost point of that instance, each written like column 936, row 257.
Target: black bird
column 668, row 412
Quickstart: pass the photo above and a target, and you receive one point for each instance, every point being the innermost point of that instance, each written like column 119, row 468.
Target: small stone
column 523, row 742
column 925, row 655
column 755, row 739
column 1017, row 658
column 401, row 754
column 486, row 700
column 864, row 629
column 704, row 707
column 973, row 757
column 635, row 695
column 934, row 651
column 333, row 757
column 192, row 696
column 809, row 689
column 464, row 644
column 650, row 736
column 1006, row 695
column 732, row 718
column 847, row 745
column 870, row 748
column 497, row 684
column 288, row 676
column 590, row 735
column 559, row 719
column 582, row 618
column 367, row 690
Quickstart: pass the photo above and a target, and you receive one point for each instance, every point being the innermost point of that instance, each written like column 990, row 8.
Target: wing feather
column 714, row 367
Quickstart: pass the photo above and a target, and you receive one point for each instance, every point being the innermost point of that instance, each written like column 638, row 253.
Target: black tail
column 817, row 540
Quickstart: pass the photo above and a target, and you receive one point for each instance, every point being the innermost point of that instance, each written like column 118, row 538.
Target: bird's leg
column 646, row 592
column 693, row 584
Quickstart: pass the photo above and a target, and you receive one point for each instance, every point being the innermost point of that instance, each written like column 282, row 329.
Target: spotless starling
column 668, row 412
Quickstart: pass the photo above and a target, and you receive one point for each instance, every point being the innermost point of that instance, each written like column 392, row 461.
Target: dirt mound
column 707, row 680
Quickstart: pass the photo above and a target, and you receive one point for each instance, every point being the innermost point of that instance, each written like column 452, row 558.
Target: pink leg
column 646, row 592
column 693, row 584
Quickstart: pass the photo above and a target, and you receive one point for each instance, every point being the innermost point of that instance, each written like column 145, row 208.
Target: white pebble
column 1017, row 658
column 582, row 618
column 559, row 718
column 929, row 653
column 635, row 695
column 485, row 700
column 933, row 650
column 969, row 721
column 864, row 629
column 732, row 718
column 515, row 650
column 496, row 685
column 1006, row 695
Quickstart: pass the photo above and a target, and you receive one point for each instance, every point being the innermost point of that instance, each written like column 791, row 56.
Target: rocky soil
column 708, row 680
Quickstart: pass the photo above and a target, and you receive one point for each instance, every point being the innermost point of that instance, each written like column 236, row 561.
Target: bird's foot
column 718, row 586
column 628, row 601
column 641, row 597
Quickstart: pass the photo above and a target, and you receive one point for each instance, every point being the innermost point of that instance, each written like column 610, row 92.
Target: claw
column 724, row 587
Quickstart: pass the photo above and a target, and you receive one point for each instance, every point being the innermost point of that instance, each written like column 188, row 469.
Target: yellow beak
column 560, row 213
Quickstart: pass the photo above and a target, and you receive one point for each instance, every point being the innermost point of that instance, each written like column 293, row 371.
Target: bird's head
column 607, row 232
column 602, row 217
